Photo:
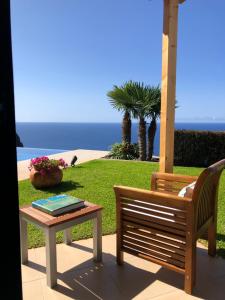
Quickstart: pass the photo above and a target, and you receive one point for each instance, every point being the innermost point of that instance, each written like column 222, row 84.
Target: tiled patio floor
column 80, row 278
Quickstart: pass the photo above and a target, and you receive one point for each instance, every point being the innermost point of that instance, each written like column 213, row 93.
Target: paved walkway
column 80, row 278
column 82, row 155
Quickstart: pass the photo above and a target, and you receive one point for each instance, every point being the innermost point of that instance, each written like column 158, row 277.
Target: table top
column 49, row 220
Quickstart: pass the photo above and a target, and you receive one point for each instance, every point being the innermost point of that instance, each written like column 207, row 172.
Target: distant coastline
column 94, row 136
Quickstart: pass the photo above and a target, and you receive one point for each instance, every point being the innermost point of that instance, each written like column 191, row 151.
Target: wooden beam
column 168, row 86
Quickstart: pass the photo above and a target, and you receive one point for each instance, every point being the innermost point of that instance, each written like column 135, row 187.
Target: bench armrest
column 153, row 197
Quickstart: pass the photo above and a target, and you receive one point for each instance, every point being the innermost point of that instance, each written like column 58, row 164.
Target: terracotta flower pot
column 48, row 179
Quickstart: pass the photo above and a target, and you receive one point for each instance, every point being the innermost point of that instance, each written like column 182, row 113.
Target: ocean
column 94, row 136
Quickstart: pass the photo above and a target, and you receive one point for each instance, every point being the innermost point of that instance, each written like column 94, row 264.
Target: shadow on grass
column 64, row 186
column 77, row 167
column 221, row 251
column 220, row 237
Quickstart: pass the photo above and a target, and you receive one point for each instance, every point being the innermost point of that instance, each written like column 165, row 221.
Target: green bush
column 124, row 151
column 198, row 148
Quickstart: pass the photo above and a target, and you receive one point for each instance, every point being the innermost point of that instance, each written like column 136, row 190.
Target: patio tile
column 80, row 278
column 175, row 295
column 137, row 282
column 211, row 267
column 32, row 271
column 85, row 283
column 33, row 290
column 209, row 288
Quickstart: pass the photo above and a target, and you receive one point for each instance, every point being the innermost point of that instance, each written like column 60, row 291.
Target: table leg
column 67, row 236
column 51, row 264
column 23, row 240
column 97, row 237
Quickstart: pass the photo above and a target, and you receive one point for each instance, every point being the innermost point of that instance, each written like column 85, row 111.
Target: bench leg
column 23, row 240
column 212, row 239
column 67, row 236
column 97, row 237
column 119, row 252
column 51, row 266
column 190, row 270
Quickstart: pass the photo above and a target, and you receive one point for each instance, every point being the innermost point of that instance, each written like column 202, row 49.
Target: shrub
column 44, row 164
column 124, row 151
column 198, row 148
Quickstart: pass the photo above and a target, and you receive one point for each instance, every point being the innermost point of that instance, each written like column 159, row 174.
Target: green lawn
column 94, row 180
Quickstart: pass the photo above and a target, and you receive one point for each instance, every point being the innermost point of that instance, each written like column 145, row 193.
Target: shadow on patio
column 137, row 279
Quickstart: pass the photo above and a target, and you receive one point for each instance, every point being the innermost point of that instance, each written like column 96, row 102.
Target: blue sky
column 68, row 53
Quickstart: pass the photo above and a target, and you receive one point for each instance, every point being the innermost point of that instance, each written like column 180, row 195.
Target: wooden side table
column 51, row 225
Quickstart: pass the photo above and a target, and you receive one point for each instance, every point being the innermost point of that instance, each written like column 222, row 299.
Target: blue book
column 58, row 204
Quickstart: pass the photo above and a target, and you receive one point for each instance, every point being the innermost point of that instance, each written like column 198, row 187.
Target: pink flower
column 44, row 164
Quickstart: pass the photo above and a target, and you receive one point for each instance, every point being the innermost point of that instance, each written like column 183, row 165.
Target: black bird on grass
column 73, row 161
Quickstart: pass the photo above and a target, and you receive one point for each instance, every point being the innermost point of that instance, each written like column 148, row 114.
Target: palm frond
column 119, row 99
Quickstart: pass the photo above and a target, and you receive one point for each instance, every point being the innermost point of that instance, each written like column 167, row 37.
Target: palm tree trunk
column 126, row 128
column 142, row 139
column 151, row 136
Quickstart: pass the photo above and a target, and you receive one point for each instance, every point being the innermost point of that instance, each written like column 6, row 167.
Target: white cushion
column 187, row 190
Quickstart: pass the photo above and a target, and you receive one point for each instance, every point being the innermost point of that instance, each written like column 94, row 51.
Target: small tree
column 138, row 92
column 141, row 102
column 120, row 100
column 153, row 110
column 153, row 107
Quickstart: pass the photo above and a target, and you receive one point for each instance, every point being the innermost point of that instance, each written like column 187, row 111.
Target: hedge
column 198, row 148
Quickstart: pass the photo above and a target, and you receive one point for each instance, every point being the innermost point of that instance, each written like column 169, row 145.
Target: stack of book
column 59, row 204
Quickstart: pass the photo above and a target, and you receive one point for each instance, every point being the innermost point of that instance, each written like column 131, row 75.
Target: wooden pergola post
column 168, row 85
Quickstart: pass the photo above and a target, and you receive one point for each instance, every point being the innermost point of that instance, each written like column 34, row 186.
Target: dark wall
column 11, row 281
column 198, row 148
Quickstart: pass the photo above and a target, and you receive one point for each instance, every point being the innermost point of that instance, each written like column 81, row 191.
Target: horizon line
column 119, row 122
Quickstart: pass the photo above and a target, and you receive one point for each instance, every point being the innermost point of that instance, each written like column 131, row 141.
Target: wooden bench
column 161, row 227
column 51, row 225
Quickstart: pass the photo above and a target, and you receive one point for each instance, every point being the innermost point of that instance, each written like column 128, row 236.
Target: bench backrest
column 205, row 193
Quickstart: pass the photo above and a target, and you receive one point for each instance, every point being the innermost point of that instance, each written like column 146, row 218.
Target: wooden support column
column 168, row 86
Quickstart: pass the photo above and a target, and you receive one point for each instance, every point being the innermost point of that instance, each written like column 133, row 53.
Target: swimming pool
column 28, row 153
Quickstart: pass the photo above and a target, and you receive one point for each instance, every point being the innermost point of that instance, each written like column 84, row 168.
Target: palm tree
column 139, row 101
column 138, row 93
column 153, row 109
column 120, row 100
column 153, row 106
